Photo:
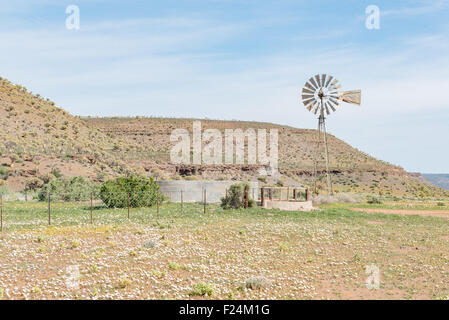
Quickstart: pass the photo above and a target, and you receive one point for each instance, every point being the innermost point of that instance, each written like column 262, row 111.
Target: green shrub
column 56, row 172
column 373, row 200
column 68, row 189
column 256, row 283
column 234, row 199
column 440, row 204
column 33, row 184
column 142, row 192
column 202, row 289
column 4, row 174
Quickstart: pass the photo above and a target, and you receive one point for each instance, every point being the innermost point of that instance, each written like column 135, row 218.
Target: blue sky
column 245, row 60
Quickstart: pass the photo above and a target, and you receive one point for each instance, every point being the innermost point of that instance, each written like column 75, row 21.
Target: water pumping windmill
column 322, row 95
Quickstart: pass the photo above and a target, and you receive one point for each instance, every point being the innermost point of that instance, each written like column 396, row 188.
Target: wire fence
column 27, row 209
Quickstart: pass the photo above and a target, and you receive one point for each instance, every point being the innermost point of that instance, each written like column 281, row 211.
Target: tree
column 140, row 191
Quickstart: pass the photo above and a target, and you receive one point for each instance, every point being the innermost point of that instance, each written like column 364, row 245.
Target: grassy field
column 241, row 254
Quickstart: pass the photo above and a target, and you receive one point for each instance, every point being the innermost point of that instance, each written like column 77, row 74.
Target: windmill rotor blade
column 323, row 80
column 304, row 90
column 317, row 77
column 307, row 101
column 335, row 87
column 307, row 96
column 353, row 97
column 334, row 101
column 328, row 81
column 331, row 106
column 308, row 85
column 332, row 95
column 310, row 105
column 312, row 81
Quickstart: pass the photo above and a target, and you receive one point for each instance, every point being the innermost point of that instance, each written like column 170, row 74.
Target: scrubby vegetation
column 68, row 189
column 138, row 191
column 235, row 197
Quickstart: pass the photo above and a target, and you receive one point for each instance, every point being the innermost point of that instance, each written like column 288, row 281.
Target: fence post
column 262, row 197
column 182, row 202
column 26, row 196
column 288, row 192
column 270, row 193
column 246, row 197
column 91, row 206
column 49, row 210
column 1, row 214
column 205, row 200
column 294, row 194
column 307, row 194
column 157, row 204
column 128, row 205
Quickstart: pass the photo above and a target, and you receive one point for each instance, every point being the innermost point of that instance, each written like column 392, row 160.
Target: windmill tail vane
column 321, row 94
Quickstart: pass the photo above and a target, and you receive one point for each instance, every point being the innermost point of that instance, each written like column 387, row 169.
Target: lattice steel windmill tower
column 321, row 94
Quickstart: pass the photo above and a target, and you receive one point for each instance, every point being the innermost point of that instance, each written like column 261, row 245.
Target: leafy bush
column 33, row 184
column 67, row 189
column 202, row 289
column 234, row 199
column 56, row 172
column 373, row 200
column 440, row 204
column 4, row 174
column 143, row 192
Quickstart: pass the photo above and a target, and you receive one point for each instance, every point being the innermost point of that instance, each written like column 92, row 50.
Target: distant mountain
column 440, row 180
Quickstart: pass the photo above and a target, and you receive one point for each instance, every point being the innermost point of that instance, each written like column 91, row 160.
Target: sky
column 244, row 60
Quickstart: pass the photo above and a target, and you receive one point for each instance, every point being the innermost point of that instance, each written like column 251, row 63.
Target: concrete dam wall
column 192, row 191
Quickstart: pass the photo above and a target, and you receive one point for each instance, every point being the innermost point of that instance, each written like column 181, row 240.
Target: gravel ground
column 253, row 254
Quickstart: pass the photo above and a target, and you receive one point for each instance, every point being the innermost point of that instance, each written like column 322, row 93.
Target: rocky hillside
column 39, row 139
column 352, row 170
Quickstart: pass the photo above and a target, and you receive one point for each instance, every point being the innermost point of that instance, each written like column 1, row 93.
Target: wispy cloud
column 424, row 8
column 250, row 68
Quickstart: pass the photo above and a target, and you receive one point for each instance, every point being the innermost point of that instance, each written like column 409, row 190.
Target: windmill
column 321, row 94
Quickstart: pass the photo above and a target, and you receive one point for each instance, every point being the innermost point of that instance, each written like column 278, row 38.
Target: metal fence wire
column 64, row 208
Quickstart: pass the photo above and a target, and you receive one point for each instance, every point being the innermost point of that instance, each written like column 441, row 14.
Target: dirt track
column 426, row 213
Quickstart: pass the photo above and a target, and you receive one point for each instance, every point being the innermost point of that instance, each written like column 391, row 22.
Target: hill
column 440, row 180
column 40, row 139
column 353, row 170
